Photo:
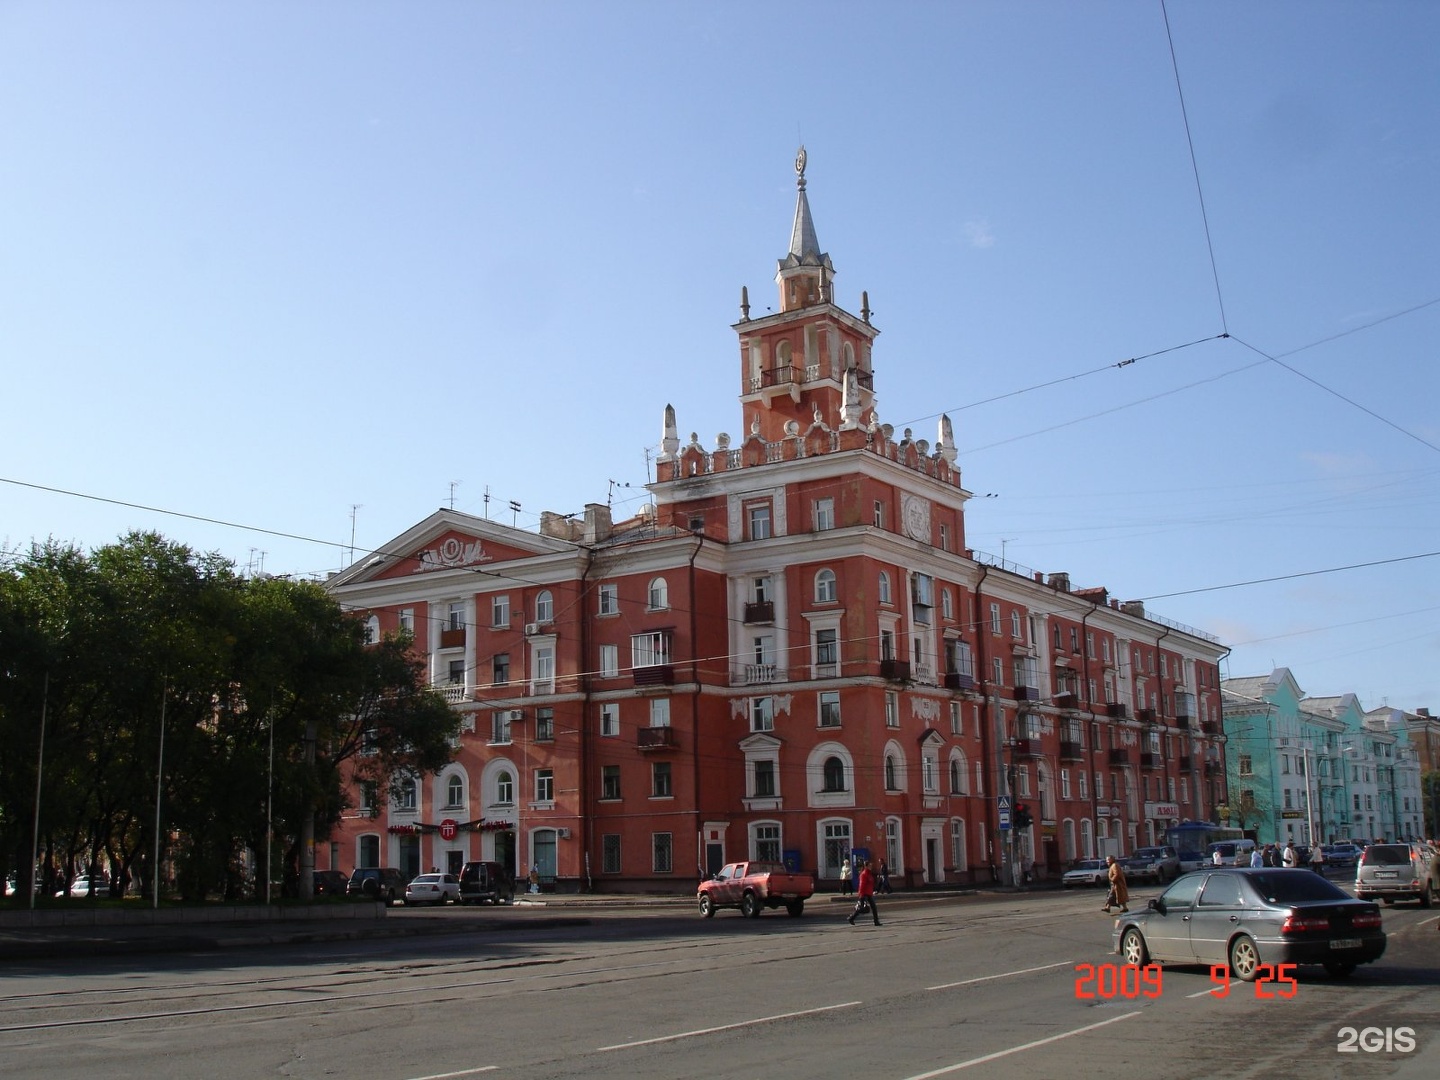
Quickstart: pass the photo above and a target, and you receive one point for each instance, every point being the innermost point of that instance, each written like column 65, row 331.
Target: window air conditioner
column 531, row 629
column 563, row 834
column 516, row 716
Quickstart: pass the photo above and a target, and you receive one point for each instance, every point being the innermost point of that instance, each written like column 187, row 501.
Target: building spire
column 805, row 273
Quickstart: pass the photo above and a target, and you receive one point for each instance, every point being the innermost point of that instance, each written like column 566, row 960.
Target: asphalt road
column 985, row 986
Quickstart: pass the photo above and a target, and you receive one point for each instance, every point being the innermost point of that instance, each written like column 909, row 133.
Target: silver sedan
column 433, row 889
column 1251, row 917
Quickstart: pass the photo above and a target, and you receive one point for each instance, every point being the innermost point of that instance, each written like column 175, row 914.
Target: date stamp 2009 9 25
column 1107, row 981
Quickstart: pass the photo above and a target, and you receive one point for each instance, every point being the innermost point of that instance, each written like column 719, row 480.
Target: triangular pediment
column 760, row 741
column 449, row 540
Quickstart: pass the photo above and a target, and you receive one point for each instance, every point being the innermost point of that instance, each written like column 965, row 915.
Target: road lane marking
column 1018, row 1049
column 1002, row 975
column 462, row 1072
column 727, row 1027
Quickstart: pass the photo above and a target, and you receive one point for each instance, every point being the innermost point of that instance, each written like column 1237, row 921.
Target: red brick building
column 790, row 654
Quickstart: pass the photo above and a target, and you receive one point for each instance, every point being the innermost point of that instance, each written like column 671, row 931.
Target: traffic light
column 1021, row 816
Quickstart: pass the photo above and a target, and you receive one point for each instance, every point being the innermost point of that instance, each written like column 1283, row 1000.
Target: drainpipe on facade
column 587, row 811
column 987, row 738
column 1090, row 708
column 695, row 717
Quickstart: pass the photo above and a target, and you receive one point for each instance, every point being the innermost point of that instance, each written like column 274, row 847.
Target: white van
column 1232, row 852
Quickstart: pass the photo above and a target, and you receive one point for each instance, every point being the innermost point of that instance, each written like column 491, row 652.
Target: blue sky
column 262, row 263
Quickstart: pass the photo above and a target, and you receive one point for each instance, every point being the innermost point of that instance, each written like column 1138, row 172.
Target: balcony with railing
column 1028, row 748
column 895, row 670
column 1210, row 727
column 959, row 680
column 1117, row 710
column 924, row 673
column 1213, row 768
column 760, row 611
column 454, row 693
column 452, row 638
column 656, row 738
column 654, row 675
column 1027, row 693
column 758, row 674
column 1071, row 751
column 1067, row 701
column 1151, row 761
column 1120, row 756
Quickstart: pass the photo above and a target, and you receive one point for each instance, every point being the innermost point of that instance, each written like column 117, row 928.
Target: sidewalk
column 83, row 932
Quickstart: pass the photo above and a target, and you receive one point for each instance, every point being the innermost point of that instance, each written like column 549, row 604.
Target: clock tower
column 808, row 364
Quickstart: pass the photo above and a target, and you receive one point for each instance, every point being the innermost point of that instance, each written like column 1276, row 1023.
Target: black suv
column 481, row 881
column 378, row 883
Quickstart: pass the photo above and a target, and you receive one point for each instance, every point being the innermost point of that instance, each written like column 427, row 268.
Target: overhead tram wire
column 1195, row 168
column 1292, row 577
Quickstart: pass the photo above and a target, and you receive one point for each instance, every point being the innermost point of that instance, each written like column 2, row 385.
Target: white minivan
column 1232, row 852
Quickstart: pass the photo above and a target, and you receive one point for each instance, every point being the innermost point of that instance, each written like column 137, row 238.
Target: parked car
column 329, row 883
column 1244, row 918
column 1344, row 856
column 1085, row 872
column 481, row 881
column 378, row 883
column 90, row 885
column 1157, row 864
column 433, row 889
column 753, row 887
column 1397, row 872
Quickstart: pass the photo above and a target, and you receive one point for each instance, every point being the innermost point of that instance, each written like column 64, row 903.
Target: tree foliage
column 164, row 677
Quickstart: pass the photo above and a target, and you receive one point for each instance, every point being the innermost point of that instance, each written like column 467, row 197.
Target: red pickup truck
column 754, row 886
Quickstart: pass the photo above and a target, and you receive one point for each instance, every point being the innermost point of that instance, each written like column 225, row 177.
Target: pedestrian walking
column 1119, row 894
column 1317, row 860
column 847, row 884
column 1287, row 857
column 1257, row 858
column 882, row 880
column 865, row 895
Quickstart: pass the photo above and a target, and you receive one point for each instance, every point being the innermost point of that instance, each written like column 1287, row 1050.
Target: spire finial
column 800, row 168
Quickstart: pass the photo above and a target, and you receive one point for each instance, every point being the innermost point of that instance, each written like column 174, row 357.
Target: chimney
column 1133, row 607
column 1060, row 582
column 597, row 523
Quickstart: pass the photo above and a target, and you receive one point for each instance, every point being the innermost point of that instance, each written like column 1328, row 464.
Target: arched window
column 544, row 607
column 659, row 594
column 884, row 590
column 372, row 630
column 890, row 781
column 959, row 773
column 455, row 792
column 825, row 587
column 834, row 774
column 504, row 788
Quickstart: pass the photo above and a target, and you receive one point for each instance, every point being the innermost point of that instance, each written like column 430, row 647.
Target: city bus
column 1192, row 839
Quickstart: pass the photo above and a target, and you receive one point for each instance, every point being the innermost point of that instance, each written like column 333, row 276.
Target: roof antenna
column 354, row 507
column 453, row 485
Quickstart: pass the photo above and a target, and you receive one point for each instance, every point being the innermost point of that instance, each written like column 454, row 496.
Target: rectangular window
column 650, row 650
column 455, row 620
column 660, row 780
column 1245, row 765
column 762, row 714
column 830, row 708
column 660, row 712
column 1084, row 785
column 892, row 709
column 765, row 779
column 760, row 521
column 405, row 795
column 500, row 669
column 767, row 843
column 879, row 518
column 956, row 724
column 997, row 670
column 609, row 661
column 824, row 515
column 1099, row 785
column 457, row 672
column 827, row 652
column 407, row 620
column 610, row 853
column 610, row 781
column 1016, row 631
column 1065, row 783
column 544, row 785
column 500, row 726
column 609, row 598
column 500, row 612
column 887, row 645
column 995, row 620
column 661, row 853
column 544, row 681
column 544, row 725
column 610, row 718
column 944, row 537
